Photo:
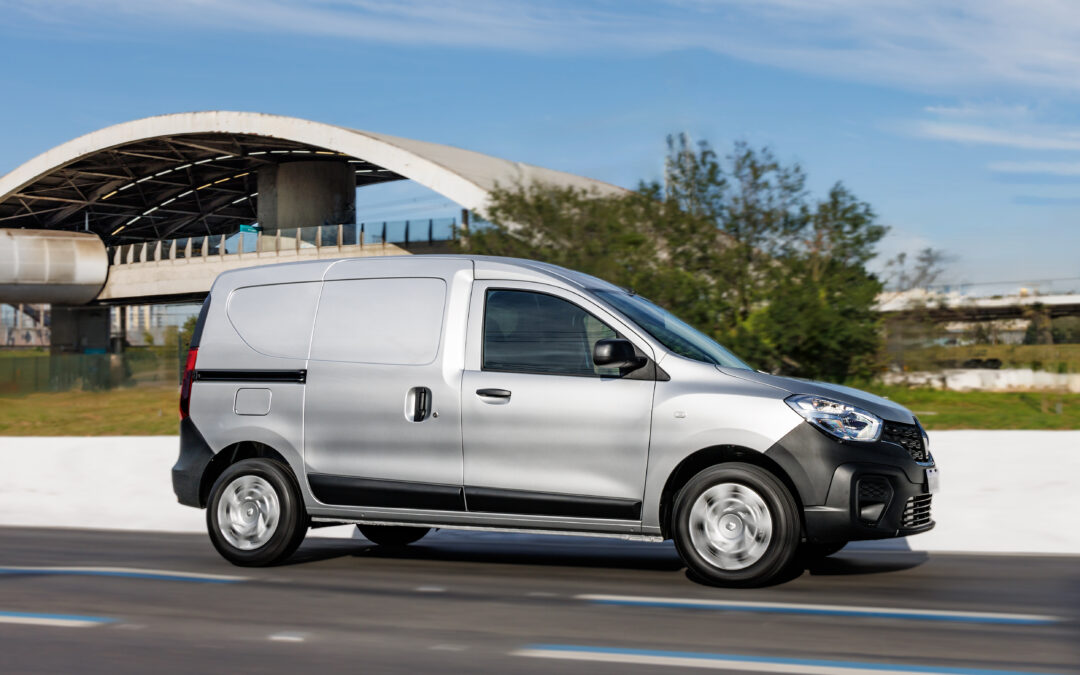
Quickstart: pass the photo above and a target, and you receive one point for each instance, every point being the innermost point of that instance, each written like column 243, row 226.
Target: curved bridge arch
column 139, row 169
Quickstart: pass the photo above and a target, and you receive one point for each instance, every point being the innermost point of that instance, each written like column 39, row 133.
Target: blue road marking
column 54, row 619
column 119, row 573
column 659, row 656
column 824, row 610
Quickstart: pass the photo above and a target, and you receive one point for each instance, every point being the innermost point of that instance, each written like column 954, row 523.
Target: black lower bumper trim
column 187, row 473
column 840, row 519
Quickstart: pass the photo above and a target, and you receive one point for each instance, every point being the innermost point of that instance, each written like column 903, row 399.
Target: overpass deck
column 184, row 269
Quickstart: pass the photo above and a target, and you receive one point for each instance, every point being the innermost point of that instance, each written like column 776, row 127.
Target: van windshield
column 671, row 331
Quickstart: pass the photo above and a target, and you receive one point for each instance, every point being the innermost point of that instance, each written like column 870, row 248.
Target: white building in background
column 24, row 325
column 149, row 321
column 138, row 317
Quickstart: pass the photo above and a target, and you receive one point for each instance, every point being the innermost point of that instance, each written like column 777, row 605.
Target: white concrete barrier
column 984, row 379
column 1002, row 491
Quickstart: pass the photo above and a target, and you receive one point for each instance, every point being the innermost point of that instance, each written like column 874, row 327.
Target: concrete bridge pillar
column 306, row 194
column 79, row 330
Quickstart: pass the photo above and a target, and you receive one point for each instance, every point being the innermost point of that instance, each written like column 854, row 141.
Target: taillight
column 185, row 383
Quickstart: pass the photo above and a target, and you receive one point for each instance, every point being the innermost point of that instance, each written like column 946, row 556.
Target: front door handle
column 493, row 393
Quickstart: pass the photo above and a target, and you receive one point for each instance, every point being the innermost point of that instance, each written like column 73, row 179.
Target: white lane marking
column 447, row 648
column 851, row 610
column 540, row 594
column 122, row 572
column 430, row 589
column 62, row 621
column 745, row 663
column 287, row 637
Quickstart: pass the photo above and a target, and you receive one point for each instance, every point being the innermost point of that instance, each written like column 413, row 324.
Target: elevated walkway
column 184, row 269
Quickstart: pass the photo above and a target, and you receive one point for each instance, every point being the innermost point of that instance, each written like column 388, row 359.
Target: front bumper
column 853, row 491
column 869, row 501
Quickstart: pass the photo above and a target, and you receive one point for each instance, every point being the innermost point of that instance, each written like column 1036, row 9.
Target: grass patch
column 986, row 409
column 23, row 352
column 151, row 411
column 136, row 411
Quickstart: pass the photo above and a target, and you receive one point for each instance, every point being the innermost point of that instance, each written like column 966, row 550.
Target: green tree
column 820, row 320
column 731, row 244
column 1040, row 330
column 1066, row 330
column 187, row 331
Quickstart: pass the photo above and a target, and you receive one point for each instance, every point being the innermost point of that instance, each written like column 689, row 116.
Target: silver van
column 409, row 393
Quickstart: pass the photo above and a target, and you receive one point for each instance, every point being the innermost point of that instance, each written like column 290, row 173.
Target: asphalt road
column 486, row 603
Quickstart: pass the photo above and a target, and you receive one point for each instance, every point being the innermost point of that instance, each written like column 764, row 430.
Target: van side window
column 530, row 332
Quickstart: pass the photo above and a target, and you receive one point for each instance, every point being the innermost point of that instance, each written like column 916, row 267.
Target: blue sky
column 958, row 121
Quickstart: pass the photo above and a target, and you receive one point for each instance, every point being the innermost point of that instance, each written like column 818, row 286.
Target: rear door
column 545, row 432
column 382, row 421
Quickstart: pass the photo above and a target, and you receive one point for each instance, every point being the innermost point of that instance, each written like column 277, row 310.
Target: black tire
column 811, row 551
column 786, row 531
column 292, row 522
column 394, row 536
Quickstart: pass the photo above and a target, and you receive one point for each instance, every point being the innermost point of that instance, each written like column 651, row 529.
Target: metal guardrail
column 402, row 232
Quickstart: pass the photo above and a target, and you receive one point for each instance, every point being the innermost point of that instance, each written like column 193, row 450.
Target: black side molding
column 350, row 491
column 295, row 376
column 491, row 500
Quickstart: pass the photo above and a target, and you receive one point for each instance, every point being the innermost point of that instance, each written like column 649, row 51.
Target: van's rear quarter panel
column 281, row 428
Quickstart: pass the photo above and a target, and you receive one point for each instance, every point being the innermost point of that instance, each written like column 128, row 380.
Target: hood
column 882, row 407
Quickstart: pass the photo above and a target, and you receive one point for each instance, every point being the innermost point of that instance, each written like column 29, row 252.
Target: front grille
column 917, row 512
column 907, row 436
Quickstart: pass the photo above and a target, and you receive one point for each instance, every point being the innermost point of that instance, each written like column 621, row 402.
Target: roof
column 484, row 267
column 195, row 173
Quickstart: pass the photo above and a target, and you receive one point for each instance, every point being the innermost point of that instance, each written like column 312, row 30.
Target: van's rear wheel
column 736, row 525
column 255, row 516
column 392, row 535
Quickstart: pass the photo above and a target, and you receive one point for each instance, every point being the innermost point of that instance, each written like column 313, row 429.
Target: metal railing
column 401, row 232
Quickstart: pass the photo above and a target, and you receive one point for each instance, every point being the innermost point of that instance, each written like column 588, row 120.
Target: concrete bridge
column 143, row 211
column 183, row 269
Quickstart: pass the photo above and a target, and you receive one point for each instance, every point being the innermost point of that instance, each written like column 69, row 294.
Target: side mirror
column 616, row 353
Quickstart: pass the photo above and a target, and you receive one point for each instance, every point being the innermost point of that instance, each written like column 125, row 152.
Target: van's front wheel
column 736, row 525
column 255, row 516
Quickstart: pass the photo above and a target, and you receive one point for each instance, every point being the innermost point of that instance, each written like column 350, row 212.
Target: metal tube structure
column 53, row 266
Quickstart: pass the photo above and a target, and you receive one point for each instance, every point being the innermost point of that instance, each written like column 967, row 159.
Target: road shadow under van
column 848, row 563
column 570, row 551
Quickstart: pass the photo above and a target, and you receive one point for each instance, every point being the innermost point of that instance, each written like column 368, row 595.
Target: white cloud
column 932, row 45
column 980, row 110
column 1038, row 139
column 1034, row 167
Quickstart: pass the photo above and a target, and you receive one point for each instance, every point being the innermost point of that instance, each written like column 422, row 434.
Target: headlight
column 837, row 418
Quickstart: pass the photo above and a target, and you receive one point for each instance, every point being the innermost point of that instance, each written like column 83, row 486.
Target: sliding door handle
column 418, row 404
column 493, row 393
